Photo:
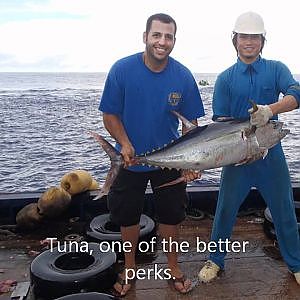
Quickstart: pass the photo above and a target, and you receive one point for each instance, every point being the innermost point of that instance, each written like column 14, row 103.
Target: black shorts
column 126, row 197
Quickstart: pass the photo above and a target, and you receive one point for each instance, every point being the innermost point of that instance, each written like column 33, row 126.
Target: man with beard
column 140, row 92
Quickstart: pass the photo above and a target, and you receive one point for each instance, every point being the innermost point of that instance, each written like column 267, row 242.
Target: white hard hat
column 249, row 23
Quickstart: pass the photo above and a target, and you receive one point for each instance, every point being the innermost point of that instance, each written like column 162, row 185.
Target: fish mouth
column 284, row 132
column 276, row 124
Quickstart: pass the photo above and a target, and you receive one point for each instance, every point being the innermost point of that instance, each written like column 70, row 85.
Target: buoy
column 94, row 185
column 76, row 182
column 28, row 217
column 53, row 202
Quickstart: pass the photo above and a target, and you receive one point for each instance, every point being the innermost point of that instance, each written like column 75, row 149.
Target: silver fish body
column 216, row 145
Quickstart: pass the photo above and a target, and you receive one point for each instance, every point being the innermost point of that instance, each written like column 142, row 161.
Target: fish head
column 271, row 134
column 276, row 128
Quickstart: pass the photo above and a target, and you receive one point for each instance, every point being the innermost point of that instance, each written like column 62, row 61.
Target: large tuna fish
column 211, row 146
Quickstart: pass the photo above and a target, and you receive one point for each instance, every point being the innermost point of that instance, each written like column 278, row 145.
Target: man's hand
column 127, row 152
column 190, row 175
column 261, row 116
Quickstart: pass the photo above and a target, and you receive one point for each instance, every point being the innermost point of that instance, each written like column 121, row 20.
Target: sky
column 90, row 35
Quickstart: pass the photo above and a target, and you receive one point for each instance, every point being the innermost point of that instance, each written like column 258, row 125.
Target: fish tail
column 116, row 161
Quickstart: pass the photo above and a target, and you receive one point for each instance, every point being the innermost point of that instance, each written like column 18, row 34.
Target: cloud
column 50, row 63
column 90, row 35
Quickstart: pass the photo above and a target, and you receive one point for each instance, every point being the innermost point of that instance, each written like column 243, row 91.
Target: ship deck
column 257, row 273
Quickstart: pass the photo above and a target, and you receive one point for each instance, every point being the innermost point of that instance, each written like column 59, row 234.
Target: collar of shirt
column 256, row 65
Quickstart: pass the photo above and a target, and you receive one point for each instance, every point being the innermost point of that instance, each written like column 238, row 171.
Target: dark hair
column 234, row 41
column 162, row 18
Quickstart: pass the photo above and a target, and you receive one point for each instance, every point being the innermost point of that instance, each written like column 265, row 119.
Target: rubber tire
column 100, row 231
column 51, row 278
column 268, row 225
column 87, row 296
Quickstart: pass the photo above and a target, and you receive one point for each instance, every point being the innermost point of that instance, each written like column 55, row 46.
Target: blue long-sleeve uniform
column 261, row 81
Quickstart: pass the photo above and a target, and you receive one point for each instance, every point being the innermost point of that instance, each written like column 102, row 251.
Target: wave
column 43, row 90
column 44, row 125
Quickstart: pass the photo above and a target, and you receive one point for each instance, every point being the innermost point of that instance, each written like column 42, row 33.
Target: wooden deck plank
column 249, row 275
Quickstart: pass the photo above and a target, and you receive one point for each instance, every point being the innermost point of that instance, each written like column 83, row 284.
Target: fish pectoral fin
column 261, row 154
column 248, row 160
column 247, row 132
column 189, row 125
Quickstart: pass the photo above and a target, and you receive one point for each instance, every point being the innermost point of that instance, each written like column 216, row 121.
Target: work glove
column 261, row 116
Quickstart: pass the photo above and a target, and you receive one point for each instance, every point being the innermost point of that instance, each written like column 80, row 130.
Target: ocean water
column 44, row 124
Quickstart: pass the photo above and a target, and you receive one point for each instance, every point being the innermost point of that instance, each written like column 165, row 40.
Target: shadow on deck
column 249, row 275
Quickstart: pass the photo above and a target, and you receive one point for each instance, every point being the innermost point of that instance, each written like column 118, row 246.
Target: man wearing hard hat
column 255, row 78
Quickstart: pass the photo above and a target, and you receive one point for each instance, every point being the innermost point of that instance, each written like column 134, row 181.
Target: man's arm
column 289, row 87
column 265, row 112
column 116, row 129
column 287, row 103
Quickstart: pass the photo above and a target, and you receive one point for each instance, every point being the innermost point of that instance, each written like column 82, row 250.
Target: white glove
column 261, row 116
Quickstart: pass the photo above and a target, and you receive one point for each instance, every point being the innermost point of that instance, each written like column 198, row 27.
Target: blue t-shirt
column 143, row 101
column 262, row 81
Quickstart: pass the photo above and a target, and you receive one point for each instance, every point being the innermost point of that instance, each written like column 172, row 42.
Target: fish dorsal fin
column 189, row 125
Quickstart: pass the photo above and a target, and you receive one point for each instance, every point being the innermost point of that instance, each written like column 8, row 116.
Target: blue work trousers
column 271, row 177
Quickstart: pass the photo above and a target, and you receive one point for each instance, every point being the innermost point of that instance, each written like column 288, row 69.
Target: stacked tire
column 55, row 273
column 101, row 228
column 88, row 296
